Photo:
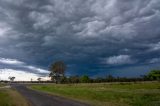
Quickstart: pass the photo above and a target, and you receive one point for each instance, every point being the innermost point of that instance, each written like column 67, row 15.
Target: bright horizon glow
column 20, row 72
column 20, row 75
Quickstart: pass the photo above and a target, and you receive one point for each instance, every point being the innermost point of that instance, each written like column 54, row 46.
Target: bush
column 85, row 79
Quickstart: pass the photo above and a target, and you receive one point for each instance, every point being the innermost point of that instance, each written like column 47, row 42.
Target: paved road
column 37, row 98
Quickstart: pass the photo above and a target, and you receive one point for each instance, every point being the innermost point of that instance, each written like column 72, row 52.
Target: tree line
column 58, row 68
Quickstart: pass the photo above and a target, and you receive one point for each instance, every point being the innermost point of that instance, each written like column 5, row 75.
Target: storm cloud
column 93, row 37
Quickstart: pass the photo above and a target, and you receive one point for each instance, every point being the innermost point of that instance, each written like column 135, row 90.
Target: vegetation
column 57, row 71
column 11, row 78
column 85, row 79
column 10, row 97
column 108, row 94
column 39, row 79
column 154, row 75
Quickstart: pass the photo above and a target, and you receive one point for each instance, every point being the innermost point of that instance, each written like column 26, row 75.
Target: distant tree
column 31, row 79
column 57, row 71
column 99, row 80
column 39, row 79
column 110, row 78
column 144, row 77
column 85, row 79
column 74, row 79
column 154, row 75
column 64, row 80
column 11, row 78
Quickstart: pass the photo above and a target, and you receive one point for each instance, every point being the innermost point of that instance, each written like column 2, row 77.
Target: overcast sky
column 92, row 37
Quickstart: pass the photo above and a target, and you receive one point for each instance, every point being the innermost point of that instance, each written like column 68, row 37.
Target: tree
column 11, row 78
column 110, row 78
column 31, row 79
column 85, row 79
column 99, row 80
column 57, row 71
column 74, row 79
column 154, row 75
column 39, row 79
column 64, row 80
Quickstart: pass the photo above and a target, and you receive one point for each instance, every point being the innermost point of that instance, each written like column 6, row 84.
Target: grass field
column 121, row 94
column 10, row 97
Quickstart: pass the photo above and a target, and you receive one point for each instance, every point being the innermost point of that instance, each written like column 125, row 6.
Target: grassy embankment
column 134, row 94
column 10, row 97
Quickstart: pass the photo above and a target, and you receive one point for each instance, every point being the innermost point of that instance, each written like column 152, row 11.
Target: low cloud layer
column 119, row 60
column 82, row 33
column 7, row 63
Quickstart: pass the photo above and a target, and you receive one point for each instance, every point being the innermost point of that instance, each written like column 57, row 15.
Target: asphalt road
column 37, row 98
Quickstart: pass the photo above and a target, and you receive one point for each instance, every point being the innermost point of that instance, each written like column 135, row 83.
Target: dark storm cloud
column 91, row 36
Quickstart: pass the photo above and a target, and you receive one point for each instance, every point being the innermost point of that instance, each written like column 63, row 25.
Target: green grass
column 4, row 98
column 134, row 94
column 10, row 97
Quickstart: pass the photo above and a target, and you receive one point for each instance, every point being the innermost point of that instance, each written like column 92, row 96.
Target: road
column 37, row 98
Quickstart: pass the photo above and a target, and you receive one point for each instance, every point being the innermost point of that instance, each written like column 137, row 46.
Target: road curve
column 37, row 98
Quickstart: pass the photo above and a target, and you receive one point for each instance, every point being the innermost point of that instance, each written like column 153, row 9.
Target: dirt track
column 37, row 98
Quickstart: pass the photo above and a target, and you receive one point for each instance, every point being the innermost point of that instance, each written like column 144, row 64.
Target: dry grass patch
column 17, row 98
column 10, row 97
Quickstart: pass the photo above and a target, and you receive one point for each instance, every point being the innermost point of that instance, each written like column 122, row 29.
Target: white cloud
column 11, row 61
column 154, row 60
column 124, row 31
column 105, row 8
column 19, row 74
column 119, row 60
column 3, row 29
column 92, row 28
column 155, row 47
column 21, row 64
column 42, row 20
column 36, row 69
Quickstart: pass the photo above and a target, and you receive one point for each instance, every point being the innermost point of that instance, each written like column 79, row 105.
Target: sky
column 92, row 37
